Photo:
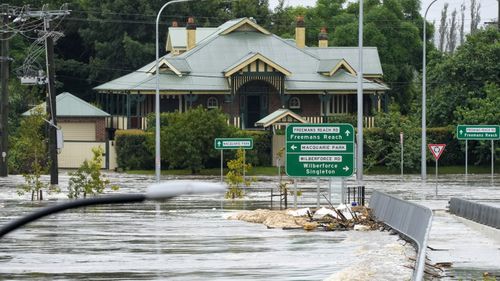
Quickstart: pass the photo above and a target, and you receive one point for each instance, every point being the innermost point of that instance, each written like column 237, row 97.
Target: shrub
column 88, row 178
column 132, row 150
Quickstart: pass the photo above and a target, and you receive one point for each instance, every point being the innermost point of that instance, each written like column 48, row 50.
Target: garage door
column 74, row 153
column 78, row 131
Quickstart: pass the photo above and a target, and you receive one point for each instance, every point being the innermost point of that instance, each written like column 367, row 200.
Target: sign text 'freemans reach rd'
column 319, row 150
column 478, row 132
column 233, row 143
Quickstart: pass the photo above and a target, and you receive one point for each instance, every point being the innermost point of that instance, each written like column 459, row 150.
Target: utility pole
column 51, row 102
column 4, row 97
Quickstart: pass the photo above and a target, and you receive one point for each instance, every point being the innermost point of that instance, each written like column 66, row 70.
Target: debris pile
column 343, row 217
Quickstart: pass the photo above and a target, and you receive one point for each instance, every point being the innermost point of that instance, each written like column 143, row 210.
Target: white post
column 295, row 193
column 436, row 177
column 402, row 162
column 342, row 190
column 157, row 94
column 466, row 157
column 221, row 165
column 423, row 168
column 317, row 195
column 330, row 189
column 492, row 159
column 359, row 155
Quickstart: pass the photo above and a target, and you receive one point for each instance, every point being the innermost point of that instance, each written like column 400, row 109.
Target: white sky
column 488, row 11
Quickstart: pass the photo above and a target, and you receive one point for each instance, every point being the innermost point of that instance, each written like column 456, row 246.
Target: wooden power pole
column 4, row 96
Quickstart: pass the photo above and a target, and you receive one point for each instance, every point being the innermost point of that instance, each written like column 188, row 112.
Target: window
column 212, row 102
column 294, row 103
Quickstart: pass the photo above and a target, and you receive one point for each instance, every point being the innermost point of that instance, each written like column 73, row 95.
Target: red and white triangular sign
column 436, row 149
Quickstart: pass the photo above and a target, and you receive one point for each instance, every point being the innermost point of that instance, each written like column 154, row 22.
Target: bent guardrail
column 480, row 213
column 409, row 219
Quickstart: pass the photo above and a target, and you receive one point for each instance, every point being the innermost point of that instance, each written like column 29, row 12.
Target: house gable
column 330, row 67
column 245, row 25
column 255, row 62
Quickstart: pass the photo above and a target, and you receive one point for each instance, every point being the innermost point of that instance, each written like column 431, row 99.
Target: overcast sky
column 488, row 11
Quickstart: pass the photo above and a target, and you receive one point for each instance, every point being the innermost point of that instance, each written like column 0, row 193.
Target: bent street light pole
column 423, row 168
column 359, row 152
column 157, row 95
column 156, row 192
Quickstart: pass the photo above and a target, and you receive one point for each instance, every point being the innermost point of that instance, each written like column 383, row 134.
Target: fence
column 480, row 213
column 410, row 219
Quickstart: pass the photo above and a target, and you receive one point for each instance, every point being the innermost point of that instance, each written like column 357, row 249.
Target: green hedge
column 132, row 150
column 261, row 154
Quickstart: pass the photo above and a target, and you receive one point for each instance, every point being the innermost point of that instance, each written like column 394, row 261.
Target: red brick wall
column 100, row 124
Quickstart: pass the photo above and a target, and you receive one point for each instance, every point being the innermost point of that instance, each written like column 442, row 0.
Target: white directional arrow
column 218, row 143
column 345, row 168
column 461, row 132
column 293, row 147
column 347, row 133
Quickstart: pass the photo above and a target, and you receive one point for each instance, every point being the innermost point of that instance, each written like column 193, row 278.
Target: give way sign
column 436, row 149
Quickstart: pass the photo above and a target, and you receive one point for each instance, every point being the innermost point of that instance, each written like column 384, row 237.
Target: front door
column 253, row 110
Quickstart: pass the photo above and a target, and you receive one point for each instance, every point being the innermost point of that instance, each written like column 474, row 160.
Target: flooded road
column 184, row 239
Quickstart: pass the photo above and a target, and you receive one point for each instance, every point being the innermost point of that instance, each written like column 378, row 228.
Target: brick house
column 249, row 73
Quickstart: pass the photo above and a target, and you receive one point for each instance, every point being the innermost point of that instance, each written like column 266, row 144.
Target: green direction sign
column 478, row 132
column 319, row 150
column 233, row 143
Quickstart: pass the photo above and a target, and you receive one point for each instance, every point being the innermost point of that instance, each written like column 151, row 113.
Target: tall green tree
column 459, row 81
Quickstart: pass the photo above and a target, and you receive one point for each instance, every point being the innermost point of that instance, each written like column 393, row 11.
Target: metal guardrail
column 480, row 213
column 409, row 219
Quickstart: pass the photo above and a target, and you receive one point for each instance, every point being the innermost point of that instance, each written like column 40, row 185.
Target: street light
column 157, row 95
column 424, row 110
column 359, row 151
column 156, row 192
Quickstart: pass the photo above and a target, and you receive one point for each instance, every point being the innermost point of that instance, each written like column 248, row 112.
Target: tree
column 485, row 110
column 443, row 27
column 457, row 80
column 387, row 153
column 234, row 177
column 452, row 32
column 28, row 154
column 88, row 179
column 475, row 17
column 188, row 139
column 394, row 27
column 462, row 24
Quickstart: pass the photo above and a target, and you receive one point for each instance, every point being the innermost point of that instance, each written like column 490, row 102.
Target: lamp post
column 424, row 110
column 155, row 192
column 359, row 150
column 157, row 95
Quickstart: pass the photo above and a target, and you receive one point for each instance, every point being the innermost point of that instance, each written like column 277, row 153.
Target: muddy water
column 184, row 239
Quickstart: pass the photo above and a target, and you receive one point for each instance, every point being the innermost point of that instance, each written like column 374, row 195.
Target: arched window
column 294, row 103
column 212, row 102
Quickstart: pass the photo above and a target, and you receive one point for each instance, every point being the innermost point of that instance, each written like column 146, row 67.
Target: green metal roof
column 277, row 116
column 68, row 105
column 177, row 36
column 371, row 60
column 207, row 61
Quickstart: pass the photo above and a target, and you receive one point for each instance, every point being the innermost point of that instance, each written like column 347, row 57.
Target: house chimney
column 300, row 32
column 175, row 24
column 191, row 33
column 323, row 38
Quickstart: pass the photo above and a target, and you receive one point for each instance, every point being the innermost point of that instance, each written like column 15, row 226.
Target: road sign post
column 232, row 143
column 319, row 150
column 437, row 151
column 401, row 140
column 479, row 132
